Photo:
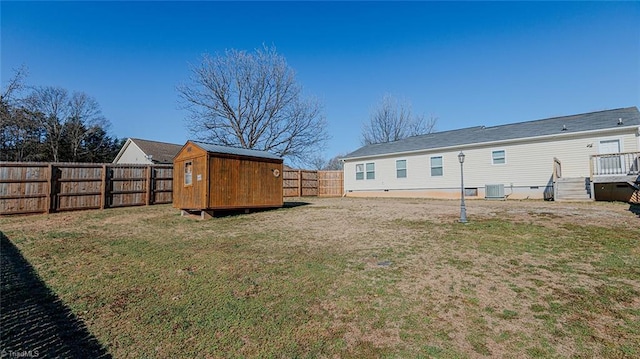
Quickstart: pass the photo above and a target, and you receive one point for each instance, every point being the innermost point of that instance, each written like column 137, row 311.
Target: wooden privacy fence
column 304, row 183
column 53, row 187
column 330, row 183
column 299, row 183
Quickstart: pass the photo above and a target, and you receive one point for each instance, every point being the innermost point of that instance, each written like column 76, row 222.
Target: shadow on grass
column 635, row 209
column 35, row 322
column 295, row 204
column 238, row 212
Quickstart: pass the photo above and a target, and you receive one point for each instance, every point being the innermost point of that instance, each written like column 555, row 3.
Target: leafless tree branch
column 64, row 118
column 252, row 100
column 392, row 121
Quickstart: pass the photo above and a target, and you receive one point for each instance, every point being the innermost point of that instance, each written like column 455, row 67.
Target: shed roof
column 236, row 151
column 480, row 134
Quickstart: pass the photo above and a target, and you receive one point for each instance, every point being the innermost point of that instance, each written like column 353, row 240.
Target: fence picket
column 54, row 187
column 32, row 187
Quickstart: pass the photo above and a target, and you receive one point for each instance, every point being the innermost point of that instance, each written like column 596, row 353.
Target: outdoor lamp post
column 463, row 208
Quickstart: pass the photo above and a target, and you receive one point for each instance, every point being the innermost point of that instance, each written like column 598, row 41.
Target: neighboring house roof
column 160, row 152
column 157, row 152
column 480, row 134
column 236, row 151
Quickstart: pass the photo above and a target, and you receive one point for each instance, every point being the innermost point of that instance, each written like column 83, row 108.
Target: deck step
column 573, row 189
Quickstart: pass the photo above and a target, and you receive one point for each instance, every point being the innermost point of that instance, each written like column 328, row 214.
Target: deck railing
column 621, row 164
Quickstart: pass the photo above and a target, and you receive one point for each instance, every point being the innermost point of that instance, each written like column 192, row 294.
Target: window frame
column 188, row 173
column 504, row 157
column 359, row 171
column 399, row 169
column 441, row 167
column 372, row 172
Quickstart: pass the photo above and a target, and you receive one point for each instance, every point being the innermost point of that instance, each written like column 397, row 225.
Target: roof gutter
column 499, row 142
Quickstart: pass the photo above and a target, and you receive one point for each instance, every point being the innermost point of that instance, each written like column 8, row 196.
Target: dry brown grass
column 347, row 277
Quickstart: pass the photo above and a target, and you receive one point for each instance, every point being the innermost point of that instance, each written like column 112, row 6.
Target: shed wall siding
column 240, row 183
column 528, row 164
column 192, row 196
column 226, row 180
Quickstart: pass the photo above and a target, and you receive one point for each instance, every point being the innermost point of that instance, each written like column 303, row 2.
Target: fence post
column 148, row 179
column 103, row 187
column 299, row 183
column 50, row 198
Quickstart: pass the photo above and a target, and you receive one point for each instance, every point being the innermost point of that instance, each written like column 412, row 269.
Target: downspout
column 592, row 186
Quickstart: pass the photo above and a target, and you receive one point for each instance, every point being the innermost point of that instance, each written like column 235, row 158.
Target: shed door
column 610, row 164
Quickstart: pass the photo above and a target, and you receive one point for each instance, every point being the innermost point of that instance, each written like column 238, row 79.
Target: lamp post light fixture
column 463, row 208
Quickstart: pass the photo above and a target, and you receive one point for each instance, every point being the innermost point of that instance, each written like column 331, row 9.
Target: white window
column 401, row 169
column 188, row 173
column 436, row 166
column 371, row 171
column 360, row 171
column 498, row 157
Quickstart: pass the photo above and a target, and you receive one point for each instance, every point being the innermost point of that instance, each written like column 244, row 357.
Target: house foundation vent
column 494, row 191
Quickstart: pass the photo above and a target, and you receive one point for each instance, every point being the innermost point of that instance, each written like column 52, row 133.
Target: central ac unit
column 494, row 191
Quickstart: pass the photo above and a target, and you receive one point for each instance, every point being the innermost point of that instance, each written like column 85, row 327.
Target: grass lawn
column 348, row 278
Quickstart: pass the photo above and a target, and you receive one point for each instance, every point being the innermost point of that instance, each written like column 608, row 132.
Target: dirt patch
column 484, row 303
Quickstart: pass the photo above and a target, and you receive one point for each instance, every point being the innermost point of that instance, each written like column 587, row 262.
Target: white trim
column 406, row 170
column 122, row 150
column 611, row 139
column 441, row 165
column 188, row 165
column 497, row 143
column 131, row 142
column 493, row 159
column 356, row 172
column 366, row 171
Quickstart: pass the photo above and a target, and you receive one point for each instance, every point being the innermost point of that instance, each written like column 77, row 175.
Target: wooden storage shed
column 208, row 177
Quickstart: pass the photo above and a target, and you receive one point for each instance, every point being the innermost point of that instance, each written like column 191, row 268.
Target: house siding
column 526, row 173
column 133, row 154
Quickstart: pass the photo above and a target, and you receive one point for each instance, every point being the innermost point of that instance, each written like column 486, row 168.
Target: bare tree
column 48, row 107
column 393, row 120
column 317, row 163
column 17, row 133
column 335, row 163
column 65, row 120
column 14, row 85
column 332, row 164
column 252, row 100
column 85, row 119
column 48, row 124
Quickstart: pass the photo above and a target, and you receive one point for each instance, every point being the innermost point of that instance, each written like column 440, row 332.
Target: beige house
column 579, row 157
column 138, row 151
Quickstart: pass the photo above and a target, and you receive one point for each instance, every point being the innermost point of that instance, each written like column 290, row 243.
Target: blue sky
column 467, row 63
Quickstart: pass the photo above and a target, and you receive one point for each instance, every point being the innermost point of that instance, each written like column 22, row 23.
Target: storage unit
column 209, row 177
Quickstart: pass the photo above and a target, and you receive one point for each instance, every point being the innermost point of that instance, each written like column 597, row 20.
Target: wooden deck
column 615, row 164
column 616, row 177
